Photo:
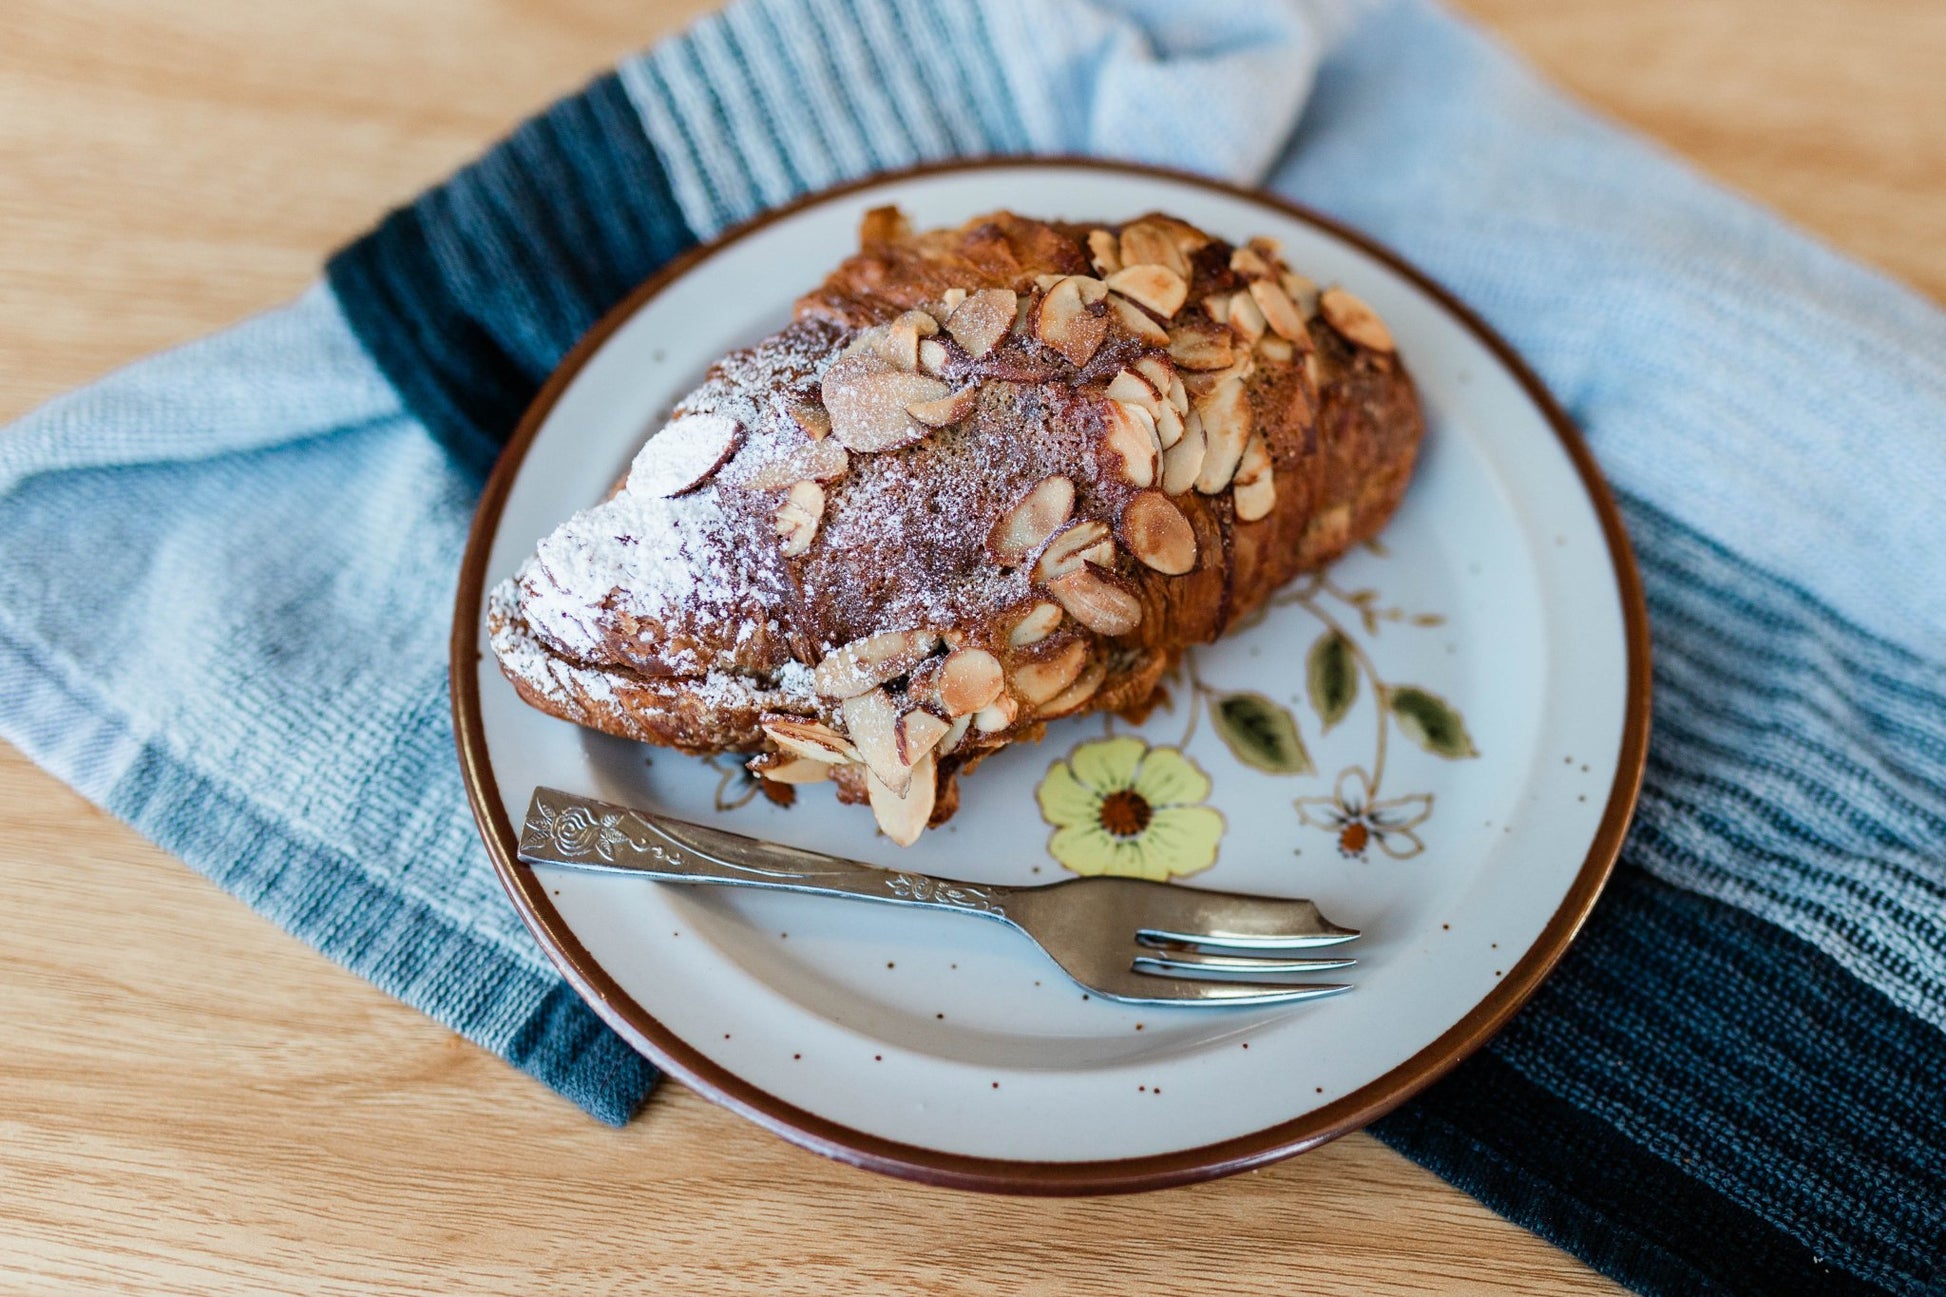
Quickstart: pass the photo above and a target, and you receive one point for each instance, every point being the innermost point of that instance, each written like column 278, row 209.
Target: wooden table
column 191, row 1102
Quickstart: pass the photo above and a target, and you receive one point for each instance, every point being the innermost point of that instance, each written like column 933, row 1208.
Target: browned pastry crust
column 988, row 476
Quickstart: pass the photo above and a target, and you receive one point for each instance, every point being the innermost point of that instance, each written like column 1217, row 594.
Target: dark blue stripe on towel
column 469, row 297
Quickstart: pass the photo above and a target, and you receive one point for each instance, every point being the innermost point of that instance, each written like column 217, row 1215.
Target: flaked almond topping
column 1168, row 425
column 1314, row 370
column 1072, row 548
column 1246, row 318
column 947, row 410
column 1358, row 322
column 1183, row 462
column 1227, row 426
column 1025, row 527
column 1250, row 263
column 781, row 768
column 1133, row 387
column 1042, row 620
column 899, row 344
column 1040, row 679
column 968, row 680
column 684, row 455
column 982, row 319
column 957, row 732
column 1159, row 373
column 797, row 517
column 884, row 225
column 867, row 663
column 1302, row 290
column 1104, row 250
column 1278, row 310
column 1063, row 321
column 1099, row 602
column 868, row 403
column 871, row 720
column 903, row 813
column 1178, row 395
column 808, row 738
column 1255, row 488
column 996, row 715
column 1155, row 531
column 1199, row 348
column 819, row 461
column 951, row 298
column 1159, row 288
column 1275, row 349
column 916, row 733
column 1217, row 305
column 1131, row 435
column 814, row 422
column 1201, row 384
column 1048, row 279
column 932, row 356
column 1150, row 242
column 1138, row 322
column 1076, row 695
column 1268, row 248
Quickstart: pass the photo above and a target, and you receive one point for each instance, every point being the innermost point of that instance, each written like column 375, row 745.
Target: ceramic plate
column 1439, row 740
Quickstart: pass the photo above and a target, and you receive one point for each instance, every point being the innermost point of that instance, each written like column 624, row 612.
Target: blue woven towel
column 225, row 573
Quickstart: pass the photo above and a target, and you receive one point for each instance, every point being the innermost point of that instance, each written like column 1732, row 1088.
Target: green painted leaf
column 1430, row 721
column 1261, row 734
column 1331, row 674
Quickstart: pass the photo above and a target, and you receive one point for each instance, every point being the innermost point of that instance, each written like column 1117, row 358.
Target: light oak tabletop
column 191, row 1102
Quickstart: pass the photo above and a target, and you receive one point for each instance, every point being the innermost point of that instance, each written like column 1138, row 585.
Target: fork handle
column 581, row 833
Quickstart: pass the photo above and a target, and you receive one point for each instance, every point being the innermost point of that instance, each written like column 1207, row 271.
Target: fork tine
column 1252, row 942
column 1189, row 990
column 1194, row 962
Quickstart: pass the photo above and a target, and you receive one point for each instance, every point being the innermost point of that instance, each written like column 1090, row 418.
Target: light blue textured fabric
column 225, row 573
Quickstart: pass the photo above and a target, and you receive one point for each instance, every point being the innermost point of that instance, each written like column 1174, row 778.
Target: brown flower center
column 1125, row 813
column 1352, row 841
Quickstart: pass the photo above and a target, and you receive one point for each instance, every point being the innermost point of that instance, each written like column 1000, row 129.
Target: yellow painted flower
column 1119, row 806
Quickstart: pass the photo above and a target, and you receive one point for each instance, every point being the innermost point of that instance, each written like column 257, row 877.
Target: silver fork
column 1121, row 938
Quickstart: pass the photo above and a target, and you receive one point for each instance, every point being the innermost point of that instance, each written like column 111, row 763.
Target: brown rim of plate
column 999, row 1175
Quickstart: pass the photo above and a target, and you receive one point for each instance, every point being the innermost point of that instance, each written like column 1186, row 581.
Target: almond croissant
column 987, row 477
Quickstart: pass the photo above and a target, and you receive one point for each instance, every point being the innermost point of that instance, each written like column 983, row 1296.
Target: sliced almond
column 1151, row 242
column 1268, row 248
column 1168, row 426
column 1038, row 680
column 1155, row 531
column 1246, row 318
column 797, row 517
column 780, row 768
column 1159, row 373
column 819, row 461
column 1063, row 321
column 1098, row 602
column 808, row 738
column 1131, row 435
column 1227, row 426
column 871, row 719
column 996, row 715
column 968, row 680
column 1250, row 263
column 947, row 410
column 1070, row 549
column 867, row 663
column 951, row 298
column 812, row 419
column 1200, row 384
column 1302, row 290
column 899, row 345
column 1255, row 489
column 1042, row 620
column 868, row 404
column 1137, row 322
column 903, row 812
column 983, row 319
column 1076, row 695
column 884, row 225
column 1183, row 462
column 1025, row 527
column 1200, row 347
column 684, row 455
column 933, row 357
column 1358, row 322
column 1104, row 250
column 1092, row 290
column 1278, row 309
column 1178, row 395
column 1314, row 370
column 1159, row 288
column 1128, row 385
column 916, row 733
column 1275, row 349
column 950, row 744
column 1217, row 305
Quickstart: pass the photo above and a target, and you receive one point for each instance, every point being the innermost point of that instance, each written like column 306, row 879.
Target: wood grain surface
column 191, row 1102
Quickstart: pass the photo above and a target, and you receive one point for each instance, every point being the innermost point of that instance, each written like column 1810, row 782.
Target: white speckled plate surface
column 1466, row 828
